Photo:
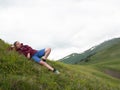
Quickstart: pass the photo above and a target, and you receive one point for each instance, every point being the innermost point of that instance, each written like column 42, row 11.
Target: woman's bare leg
column 46, row 65
column 47, row 53
column 42, row 62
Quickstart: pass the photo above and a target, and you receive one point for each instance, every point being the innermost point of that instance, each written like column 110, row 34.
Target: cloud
column 67, row 26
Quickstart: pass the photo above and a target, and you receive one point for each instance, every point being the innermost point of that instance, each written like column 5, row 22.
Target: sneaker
column 56, row 71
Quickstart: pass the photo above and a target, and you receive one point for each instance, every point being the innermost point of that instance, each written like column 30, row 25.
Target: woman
column 38, row 56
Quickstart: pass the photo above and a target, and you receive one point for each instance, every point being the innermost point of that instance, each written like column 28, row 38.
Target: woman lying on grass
column 39, row 56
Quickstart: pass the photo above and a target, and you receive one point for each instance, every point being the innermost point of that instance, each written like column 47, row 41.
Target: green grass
column 18, row 73
column 109, row 58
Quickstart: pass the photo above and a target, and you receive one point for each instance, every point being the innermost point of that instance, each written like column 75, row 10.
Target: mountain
column 76, row 58
column 107, row 60
column 18, row 73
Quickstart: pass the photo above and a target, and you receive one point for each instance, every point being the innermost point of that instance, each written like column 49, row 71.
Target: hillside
column 18, row 73
column 76, row 58
column 107, row 60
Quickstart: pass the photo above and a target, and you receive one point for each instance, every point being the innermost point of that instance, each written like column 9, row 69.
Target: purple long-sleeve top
column 25, row 49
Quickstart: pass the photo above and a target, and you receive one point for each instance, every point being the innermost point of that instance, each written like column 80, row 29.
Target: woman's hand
column 28, row 55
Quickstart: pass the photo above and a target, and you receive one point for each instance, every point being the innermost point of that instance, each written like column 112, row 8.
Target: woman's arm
column 28, row 56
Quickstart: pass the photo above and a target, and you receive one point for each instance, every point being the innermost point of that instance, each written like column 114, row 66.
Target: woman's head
column 17, row 44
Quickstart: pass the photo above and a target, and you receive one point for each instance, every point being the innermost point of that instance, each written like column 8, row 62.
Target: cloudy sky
column 67, row 26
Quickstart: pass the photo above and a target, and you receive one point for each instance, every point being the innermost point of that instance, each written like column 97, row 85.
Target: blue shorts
column 37, row 56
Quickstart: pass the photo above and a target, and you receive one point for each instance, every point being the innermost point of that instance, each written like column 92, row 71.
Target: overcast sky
column 67, row 26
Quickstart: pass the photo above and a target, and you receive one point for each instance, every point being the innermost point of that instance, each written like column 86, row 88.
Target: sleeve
column 25, row 50
column 28, row 49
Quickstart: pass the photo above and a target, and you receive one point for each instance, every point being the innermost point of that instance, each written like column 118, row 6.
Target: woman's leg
column 40, row 61
column 49, row 67
column 47, row 53
column 37, row 59
column 46, row 65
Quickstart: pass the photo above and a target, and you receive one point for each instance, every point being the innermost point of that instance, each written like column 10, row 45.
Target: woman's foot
column 56, row 71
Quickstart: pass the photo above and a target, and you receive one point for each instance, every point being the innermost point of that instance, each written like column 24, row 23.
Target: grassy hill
column 76, row 58
column 107, row 60
column 18, row 73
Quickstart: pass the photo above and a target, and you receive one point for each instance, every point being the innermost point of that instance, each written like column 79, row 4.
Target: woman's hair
column 15, row 43
column 12, row 47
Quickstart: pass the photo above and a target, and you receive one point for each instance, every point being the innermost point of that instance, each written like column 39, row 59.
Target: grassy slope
column 108, row 58
column 17, row 73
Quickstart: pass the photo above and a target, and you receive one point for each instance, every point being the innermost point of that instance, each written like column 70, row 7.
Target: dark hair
column 15, row 43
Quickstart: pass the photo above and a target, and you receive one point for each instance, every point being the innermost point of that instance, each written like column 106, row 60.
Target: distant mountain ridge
column 76, row 57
